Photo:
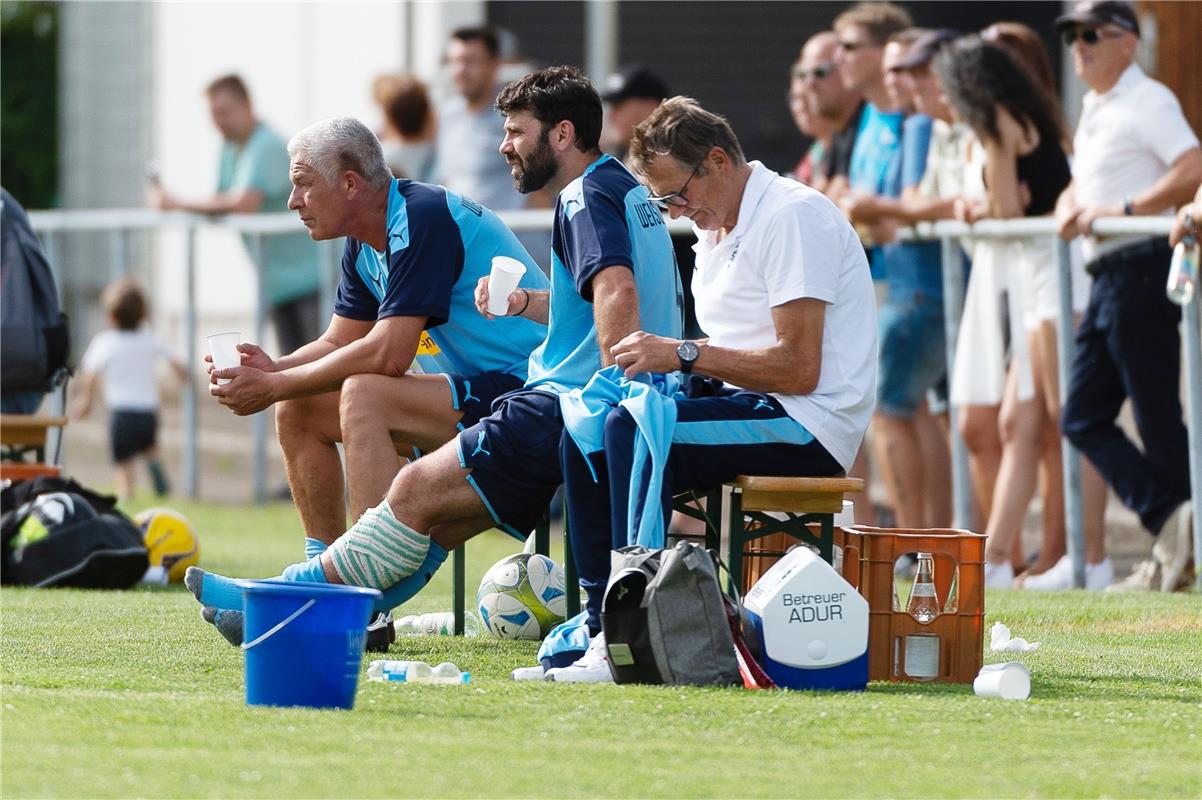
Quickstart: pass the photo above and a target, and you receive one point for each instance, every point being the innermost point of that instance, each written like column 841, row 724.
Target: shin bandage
column 378, row 550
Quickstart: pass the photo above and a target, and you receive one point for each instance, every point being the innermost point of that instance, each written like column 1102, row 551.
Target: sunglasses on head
column 1089, row 36
column 817, row 72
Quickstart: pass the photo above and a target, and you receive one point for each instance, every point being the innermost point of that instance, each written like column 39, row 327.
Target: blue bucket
column 304, row 642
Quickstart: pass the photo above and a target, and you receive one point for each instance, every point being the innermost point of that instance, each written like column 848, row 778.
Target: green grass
column 118, row 694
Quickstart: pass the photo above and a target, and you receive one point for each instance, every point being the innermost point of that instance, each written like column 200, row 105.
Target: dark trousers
column 720, row 433
column 297, row 322
column 1128, row 346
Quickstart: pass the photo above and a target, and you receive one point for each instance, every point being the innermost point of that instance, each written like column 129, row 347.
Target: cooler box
column 810, row 624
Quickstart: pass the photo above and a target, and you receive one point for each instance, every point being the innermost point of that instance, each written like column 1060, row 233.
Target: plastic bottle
column 416, row 672
column 436, row 623
column 924, row 604
column 1183, row 272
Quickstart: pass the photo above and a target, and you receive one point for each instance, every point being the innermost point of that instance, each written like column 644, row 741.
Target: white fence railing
column 119, row 223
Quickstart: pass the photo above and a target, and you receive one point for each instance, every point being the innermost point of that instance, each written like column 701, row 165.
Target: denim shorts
column 913, row 355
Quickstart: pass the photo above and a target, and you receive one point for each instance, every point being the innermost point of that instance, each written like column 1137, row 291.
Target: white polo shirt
column 792, row 242
column 1126, row 140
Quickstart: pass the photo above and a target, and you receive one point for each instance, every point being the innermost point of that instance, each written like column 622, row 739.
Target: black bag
column 665, row 621
column 88, row 543
column 34, row 342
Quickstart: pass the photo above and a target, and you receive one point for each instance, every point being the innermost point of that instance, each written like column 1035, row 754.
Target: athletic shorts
column 913, row 354
column 513, row 455
column 474, row 395
column 132, row 433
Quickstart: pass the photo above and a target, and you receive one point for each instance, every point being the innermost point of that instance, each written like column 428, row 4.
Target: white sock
column 378, row 550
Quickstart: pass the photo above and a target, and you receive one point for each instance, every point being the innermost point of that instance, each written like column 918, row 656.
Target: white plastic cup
column 1009, row 681
column 223, row 347
column 502, row 280
column 847, row 517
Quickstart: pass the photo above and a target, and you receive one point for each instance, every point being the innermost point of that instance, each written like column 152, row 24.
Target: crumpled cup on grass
column 1000, row 641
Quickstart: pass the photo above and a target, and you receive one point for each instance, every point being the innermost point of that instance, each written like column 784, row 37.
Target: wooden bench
column 22, row 435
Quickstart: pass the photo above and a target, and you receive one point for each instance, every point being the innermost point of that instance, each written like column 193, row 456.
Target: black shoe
column 380, row 634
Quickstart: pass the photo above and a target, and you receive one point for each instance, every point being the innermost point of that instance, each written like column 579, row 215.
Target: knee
column 1019, row 426
column 980, row 435
column 619, row 426
column 359, row 402
column 292, row 420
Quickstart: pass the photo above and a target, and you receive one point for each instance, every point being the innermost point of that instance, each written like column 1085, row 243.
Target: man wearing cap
column 630, row 96
column 1134, row 155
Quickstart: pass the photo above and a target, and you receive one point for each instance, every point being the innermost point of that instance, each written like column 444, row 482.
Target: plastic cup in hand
column 502, row 280
column 1009, row 681
column 223, row 347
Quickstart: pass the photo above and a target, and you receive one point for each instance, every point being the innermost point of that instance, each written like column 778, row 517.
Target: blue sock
column 310, row 571
column 215, row 590
column 402, row 591
column 314, row 547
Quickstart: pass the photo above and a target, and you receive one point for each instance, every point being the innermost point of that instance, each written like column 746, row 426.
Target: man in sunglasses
column 1133, row 154
column 822, row 108
column 783, row 385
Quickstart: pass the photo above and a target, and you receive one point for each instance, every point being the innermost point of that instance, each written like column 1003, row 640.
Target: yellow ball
column 170, row 541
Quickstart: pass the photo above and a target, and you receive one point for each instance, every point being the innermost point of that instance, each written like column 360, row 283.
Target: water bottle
column 924, row 604
column 1183, row 272
column 416, row 672
column 437, row 623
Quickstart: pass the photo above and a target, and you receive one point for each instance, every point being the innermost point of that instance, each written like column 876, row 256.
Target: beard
column 537, row 169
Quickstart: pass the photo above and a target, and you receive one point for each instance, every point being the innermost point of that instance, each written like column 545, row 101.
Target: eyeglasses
column 1089, row 36
column 851, row 47
column 677, row 198
column 816, row 73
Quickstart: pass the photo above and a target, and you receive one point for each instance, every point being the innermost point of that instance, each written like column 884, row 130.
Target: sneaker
column 592, row 667
column 535, row 673
column 999, row 576
column 1097, row 576
column 380, row 633
column 1144, row 577
column 1174, row 546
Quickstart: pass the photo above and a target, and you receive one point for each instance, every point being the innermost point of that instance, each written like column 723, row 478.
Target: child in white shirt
column 125, row 357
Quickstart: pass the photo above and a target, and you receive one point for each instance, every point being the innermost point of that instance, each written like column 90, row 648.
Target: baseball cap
column 633, row 81
column 925, row 47
column 1101, row 12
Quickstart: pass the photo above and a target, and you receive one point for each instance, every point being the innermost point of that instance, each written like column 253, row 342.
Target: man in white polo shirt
column 1134, row 154
column 785, row 383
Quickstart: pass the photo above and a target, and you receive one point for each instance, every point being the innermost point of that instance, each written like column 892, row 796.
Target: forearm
column 771, row 369
column 874, row 209
column 538, row 309
column 915, row 207
column 326, row 374
column 313, row 351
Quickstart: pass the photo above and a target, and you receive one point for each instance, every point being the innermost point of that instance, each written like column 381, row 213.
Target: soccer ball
column 170, row 541
column 522, row 597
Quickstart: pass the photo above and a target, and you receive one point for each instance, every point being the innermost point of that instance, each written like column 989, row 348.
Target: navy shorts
column 474, row 395
column 513, row 455
column 132, row 433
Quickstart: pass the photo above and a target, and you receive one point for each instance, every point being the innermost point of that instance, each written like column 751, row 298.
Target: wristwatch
column 687, row 352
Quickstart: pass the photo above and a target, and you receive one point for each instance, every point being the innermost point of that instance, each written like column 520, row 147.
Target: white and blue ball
column 522, row 597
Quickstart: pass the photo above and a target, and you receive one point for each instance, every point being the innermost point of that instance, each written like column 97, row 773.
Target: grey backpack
column 33, row 343
column 665, row 621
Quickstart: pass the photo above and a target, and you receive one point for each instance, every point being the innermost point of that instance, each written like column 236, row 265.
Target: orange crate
column 23, row 471
column 897, row 641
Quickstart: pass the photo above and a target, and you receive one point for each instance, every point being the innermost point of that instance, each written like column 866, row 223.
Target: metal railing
column 120, row 223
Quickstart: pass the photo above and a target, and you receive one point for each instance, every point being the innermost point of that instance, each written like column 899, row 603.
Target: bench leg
column 542, row 535
column 571, row 581
column 458, row 579
column 738, row 537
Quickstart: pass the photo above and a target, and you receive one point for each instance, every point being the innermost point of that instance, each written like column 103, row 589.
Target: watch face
column 687, row 351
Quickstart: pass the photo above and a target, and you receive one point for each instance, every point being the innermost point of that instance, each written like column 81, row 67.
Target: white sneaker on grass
column 999, row 576
column 592, row 667
column 1174, row 546
column 1060, row 576
column 535, row 673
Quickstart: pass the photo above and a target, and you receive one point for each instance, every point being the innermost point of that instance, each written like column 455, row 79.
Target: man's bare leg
column 376, row 411
column 308, row 430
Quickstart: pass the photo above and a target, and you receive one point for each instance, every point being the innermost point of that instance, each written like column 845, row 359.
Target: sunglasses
column 851, row 47
column 1089, row 36
column 816, row 73
column 677, row 198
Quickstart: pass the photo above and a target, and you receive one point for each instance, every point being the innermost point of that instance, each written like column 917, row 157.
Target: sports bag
column 34, row 343
column 665, row 620
column 54, row 532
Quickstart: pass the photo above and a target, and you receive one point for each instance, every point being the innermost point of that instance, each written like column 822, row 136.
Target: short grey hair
column 340, row 144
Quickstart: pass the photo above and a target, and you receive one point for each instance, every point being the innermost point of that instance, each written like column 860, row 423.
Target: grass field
column 130, row 694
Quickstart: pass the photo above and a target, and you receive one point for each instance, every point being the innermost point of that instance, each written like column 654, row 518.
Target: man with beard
column 612, row 275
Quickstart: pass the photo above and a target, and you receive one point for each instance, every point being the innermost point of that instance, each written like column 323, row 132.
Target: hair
column 480, row 33
column 682, row 129
column 229, row 83
column 338, row 145
column 1025, row 45
column 405, row 102
column 908, row 36
column 553, row 95
column 124, row 302
column 880, row 20
column 978, row 76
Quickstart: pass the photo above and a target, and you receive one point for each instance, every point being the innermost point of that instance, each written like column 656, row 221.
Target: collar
column 753, row 192
column 1132, row 76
